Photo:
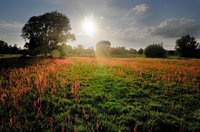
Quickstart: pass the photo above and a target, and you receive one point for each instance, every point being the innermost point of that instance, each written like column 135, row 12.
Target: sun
column 89, row 26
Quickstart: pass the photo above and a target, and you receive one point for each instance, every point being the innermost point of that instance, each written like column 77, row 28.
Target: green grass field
column 103, row 94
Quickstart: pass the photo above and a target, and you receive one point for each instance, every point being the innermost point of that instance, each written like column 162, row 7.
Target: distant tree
column 171, row 52
column 23, row 52
column 118, row 51
column 14, row 49
column 4, row 48
column 64, row 49
column 140, row 51
column 8, row 49
column 155, row 51
column 187, row 46
column 45, row 32
column 79, row 50
column 89, row 52
column 132, row 51
column 103, row 48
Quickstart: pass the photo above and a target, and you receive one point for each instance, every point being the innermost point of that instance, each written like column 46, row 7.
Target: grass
column 10, row 55
column 103, row 94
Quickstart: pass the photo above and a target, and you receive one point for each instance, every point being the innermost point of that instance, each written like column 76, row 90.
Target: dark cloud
column 176, row 27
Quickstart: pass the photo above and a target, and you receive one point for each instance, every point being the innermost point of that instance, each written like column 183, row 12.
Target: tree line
column 48, row 34
column 9, row 49
column 102, row 50
column 186, row 46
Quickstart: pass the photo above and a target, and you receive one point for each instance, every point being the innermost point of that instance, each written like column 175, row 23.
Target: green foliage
column 121, row 51
column 64, row 49
column 45, row 32
column 104, row 49
column 187, row 46
column 132, row 51
column 78, row 51
column 155, row 51
column 56, row 54
column 140, row 51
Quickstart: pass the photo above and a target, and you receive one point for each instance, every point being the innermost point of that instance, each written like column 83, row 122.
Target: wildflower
column 3, row 98
column 51, row 123
column 11, row 120
column 68, row 119
column 63, row 126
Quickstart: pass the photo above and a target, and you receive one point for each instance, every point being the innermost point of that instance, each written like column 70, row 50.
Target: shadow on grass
column 18, row 62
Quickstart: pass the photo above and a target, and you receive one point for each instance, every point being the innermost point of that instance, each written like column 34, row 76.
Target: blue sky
column 129, row 23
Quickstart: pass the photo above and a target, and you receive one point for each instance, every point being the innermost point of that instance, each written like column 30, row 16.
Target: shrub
column 155, row 51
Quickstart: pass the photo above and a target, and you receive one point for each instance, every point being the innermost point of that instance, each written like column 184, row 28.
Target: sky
column 128, row 23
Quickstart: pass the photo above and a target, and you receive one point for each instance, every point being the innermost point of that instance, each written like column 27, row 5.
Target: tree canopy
column 43, row 33
column 155, row 51
column 187, row 46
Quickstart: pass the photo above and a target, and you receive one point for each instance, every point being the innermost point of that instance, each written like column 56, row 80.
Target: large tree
column 43, row 33
column 187, row 46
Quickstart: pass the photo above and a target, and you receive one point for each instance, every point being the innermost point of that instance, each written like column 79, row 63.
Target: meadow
column 100, row 94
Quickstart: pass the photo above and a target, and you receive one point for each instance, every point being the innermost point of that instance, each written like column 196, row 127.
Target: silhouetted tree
column 8, row 49
column 171, row 52
column 132, row 51
column 140, row 51
column 187, row 46
column 14, row 49
column 45, row 32
column 103, row 48
column 4, row 48
column 155, row 51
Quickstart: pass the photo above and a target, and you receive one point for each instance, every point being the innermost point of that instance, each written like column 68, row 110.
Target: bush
column 155, row 51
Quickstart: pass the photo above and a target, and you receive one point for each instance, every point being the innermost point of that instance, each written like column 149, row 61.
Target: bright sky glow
column 89, row 26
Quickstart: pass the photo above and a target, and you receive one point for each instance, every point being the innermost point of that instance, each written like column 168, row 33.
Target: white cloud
column 6, row 25
column 176, row 27
column 101, row 17
column 10, row 32
column 139, row 9
column 134, row 31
